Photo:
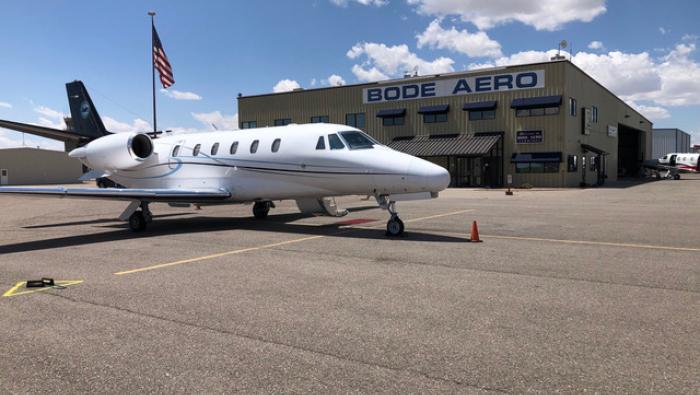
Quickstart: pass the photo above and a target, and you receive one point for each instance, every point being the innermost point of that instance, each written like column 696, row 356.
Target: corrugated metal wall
column 669, row 140
column 28, row 166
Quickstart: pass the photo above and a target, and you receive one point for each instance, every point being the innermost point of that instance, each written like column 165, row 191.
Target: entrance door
column 4, row 177
column 672, row 161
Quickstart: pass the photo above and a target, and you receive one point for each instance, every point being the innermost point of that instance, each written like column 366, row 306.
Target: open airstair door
column 324, row 206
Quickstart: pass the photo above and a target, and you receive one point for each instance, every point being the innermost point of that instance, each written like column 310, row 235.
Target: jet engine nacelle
column 115, row 151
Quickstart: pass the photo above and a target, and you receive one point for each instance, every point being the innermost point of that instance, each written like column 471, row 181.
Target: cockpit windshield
column 358, row 140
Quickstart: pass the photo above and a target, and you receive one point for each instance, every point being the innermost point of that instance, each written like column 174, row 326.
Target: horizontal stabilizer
column 41, row 131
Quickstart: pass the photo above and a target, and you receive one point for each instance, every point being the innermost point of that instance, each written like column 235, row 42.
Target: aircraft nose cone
column 437, row 177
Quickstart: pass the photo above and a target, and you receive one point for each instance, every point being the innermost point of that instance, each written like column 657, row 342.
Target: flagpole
column 153, row 71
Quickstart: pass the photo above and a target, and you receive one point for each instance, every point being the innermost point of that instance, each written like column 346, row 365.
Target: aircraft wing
column 56, row 134
column 128, row 194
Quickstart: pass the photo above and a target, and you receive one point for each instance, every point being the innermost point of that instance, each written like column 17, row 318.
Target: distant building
column 695, row 148
column 27, row 166
column 665, row 141
column 546, row 124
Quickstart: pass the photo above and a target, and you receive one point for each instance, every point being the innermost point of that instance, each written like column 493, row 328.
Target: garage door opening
column 630, row 151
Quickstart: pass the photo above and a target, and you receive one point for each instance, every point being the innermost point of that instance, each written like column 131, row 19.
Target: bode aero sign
column 455, row 87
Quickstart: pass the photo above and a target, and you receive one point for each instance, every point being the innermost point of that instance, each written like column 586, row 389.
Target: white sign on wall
column 612, row 131
column 454, row 87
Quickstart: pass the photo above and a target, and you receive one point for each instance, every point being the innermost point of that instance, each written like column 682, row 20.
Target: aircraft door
column 672, row 160
column 4, row 177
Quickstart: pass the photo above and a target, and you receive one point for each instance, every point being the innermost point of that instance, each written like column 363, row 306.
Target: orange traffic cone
column 475, row 233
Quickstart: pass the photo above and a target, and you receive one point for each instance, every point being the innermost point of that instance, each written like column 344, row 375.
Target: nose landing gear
column 394, row 227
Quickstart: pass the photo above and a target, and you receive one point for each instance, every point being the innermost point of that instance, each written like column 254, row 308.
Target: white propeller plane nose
column 311, row 163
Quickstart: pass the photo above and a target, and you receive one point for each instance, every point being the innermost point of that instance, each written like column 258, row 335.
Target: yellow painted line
column 212, row 256
column 59, row 284
column 600, row 243
column 266, row 246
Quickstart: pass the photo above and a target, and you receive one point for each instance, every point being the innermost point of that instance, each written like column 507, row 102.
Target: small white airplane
column 311, row 163
column 673, row 164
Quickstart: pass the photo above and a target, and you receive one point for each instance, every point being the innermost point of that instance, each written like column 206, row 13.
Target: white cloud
column 222, row 122
column 383, row 62
column 285, row 86
column 50, row 117
column 335, row 80
column 471, row 44
column 595, row 45
column 654, row 113
column 5, row 104
column 663, row 31
column 13, row 139
column 313, row 82
column 542, row 15
column 376, row 3
column 138, row 125
column 179, row 95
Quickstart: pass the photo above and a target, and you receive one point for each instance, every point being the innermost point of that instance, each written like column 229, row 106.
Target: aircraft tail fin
column 85, row 121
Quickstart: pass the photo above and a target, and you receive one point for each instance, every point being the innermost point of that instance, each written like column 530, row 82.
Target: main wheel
column 394, row 227
column 261, row 209
column 677, row 177
column 137, row 221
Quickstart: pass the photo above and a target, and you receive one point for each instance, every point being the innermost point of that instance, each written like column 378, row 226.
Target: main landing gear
column 394, row 227
column 140, row 218
column 261, row 209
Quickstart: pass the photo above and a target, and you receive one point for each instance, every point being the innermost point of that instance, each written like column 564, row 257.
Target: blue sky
column 645, row 51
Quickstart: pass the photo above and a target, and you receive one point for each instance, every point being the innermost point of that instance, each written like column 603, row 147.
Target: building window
column 572, row 163
column 535, row 112
column 595, row 114
column 214, row 149
column 321, row 143
column 276, row 145
column 176, row 150
column 482, row 115
column 355, row 120
column 572, row 106
column 393, row 121
column 334, row 142
column 249, row 124
column 282, row 122
column 254, row 146
column 537, row 167
column 234, row 148
column 320, row 119
column 196, row 149
column 435, row 117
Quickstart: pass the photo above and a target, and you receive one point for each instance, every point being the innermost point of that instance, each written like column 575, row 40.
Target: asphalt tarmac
column 594, row 290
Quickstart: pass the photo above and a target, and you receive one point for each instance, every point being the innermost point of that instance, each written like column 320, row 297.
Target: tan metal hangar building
column 545, row 124
column 27, row 166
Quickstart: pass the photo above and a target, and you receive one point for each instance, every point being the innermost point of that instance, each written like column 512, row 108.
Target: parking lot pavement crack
column 391, row 261
column 259, row 339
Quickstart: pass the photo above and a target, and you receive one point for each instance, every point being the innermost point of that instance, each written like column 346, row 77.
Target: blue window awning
column 442, row 108
column 480, row 106
column 536, row 157
column 536, row 102
column 392, row 112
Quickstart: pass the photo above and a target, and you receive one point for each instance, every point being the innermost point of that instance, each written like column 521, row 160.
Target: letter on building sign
column 461, row 87
column 410, row 91
column 483, row 84
column 526, row 80
column 427, row 90
column 392, row 93
column 503, row 80
column 374, row 94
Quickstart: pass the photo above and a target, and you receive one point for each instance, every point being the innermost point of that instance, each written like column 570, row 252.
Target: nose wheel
column 394, row 227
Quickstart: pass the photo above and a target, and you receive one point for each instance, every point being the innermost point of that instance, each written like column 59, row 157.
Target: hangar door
column 630, row 151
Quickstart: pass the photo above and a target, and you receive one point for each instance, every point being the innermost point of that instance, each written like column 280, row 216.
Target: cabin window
column 276, row 145
column 234, row 148
column 176, row 150
column 196, row 149
column 254, row 146
column 357, row 140
column 214, row 149
column 321, row 143
column 334, row 142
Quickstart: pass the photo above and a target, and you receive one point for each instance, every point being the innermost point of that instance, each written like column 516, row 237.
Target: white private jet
column 673, row 164
column 311, row 163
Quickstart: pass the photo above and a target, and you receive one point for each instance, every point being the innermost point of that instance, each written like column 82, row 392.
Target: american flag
column 160, row 62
